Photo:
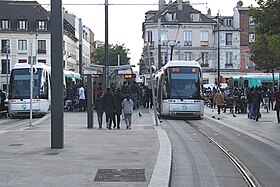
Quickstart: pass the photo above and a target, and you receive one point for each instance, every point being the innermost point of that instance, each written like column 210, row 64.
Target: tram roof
column 25, row 65
column 182, row 63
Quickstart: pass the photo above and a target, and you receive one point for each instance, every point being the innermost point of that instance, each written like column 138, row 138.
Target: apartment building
column 25, row 35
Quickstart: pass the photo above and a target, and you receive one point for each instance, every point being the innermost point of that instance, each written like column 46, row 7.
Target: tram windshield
column 184, row 83
column 20, row 84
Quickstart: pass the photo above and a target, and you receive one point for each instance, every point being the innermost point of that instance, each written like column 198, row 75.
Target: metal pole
column 119, row 62
column 57, row 122
column 7, row 69
column 31, row 85
column 152, row 85
column 159, row 43
column 81, row 48
column 106, row 45
column 179, row 51
column 219, row 81
column 89, row 102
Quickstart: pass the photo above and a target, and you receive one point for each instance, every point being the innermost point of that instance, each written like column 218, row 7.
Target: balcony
column 187, row 43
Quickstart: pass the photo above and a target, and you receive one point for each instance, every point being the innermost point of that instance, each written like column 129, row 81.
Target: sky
column 125, row 21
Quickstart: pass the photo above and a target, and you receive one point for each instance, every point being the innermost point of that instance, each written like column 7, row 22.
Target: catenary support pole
column 57, row 123
column 89, row 102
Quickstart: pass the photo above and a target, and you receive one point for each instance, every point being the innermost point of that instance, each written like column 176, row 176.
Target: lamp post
column 218, row 26
column 7, row 69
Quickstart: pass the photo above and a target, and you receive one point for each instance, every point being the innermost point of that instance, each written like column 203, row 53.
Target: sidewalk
column 266, row 129
column 90, row 157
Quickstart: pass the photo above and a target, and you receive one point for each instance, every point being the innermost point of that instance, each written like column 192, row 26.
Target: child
column 127, row 106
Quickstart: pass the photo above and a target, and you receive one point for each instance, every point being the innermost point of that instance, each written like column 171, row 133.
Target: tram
column 19, row 89
column 179, row 90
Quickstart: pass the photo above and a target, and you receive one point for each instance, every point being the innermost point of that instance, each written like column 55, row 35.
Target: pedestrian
column 109, row 107
column 277, row 103
column 219, row 100
column 119, row 97
column 127, row 106
column 257, row 99
column 82, row 97
column 99, row 107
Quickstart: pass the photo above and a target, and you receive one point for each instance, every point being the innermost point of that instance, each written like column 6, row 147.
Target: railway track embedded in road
column 241, row 167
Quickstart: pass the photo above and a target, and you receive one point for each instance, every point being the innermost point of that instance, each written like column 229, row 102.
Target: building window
column 228, row 22
column 204, row 38
column 22, row 61
column 150, row 37
column 228, row 38
column 251, row 38
column 42, row 26
column 251, row 21
column 42, row 61
column 188, row 56
column 42, row 47
column 164, row 38
column 188, row 38
column 5, row 25
column 204, row 58
column 22, row 45
column 171, row 16
column 4, row 44
column 4, row 66
column 229, row 58
column 195, row 17
column 22, row 25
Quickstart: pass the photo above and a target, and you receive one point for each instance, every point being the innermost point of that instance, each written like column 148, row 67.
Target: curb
column 162, row 171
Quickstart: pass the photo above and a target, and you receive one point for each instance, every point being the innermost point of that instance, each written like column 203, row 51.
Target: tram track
column 241, row 167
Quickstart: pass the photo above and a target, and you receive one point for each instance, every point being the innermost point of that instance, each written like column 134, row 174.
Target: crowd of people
column 244, row 100
column 115, row 102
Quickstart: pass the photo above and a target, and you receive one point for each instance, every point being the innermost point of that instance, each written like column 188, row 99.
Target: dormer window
column 228, row 22
column 195, row 17
column 171, row 16
column 5, row 24
column 42, row 25
column 22, row 24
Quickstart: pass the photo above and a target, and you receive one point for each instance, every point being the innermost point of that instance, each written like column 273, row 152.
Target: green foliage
column 265, row 52
column 114, row 51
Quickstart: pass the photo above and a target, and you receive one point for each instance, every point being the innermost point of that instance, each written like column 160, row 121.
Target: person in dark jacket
column 109, row 107
column 99, row 107
column 119, row 97
column 277, row 103
column 257, row 99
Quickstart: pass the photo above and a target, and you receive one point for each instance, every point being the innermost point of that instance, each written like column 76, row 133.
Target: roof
column 183, row 16
column 23, row 10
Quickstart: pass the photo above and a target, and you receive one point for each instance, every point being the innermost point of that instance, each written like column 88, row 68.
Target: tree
column 114, row 51
column 265, row 52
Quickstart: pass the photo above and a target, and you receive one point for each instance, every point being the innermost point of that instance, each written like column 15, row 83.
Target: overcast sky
column 125, row 21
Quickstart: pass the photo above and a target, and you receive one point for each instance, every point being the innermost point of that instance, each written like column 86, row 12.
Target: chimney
column 209, row 12
column 161, row 4
column 180, row 5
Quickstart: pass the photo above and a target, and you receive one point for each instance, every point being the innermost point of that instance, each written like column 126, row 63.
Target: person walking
column 257, row 99
column 127, row 106
column 119, row 97
column 219, row 100
column 277, row 103
column 82, row 97
column 99, row 107
column 109, row 107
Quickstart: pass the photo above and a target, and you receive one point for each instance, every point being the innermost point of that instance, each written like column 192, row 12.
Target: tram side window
column 165, row 87
column 44, row 86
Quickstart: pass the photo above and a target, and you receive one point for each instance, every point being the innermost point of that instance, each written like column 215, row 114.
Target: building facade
column 180, row 31
column 25, row 36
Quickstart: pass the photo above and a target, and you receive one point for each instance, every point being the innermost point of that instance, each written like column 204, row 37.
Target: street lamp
column 173, row 42
column 7, row 69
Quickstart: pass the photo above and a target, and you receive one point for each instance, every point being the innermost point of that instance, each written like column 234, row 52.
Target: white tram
column 179, row 90
column 19, row 89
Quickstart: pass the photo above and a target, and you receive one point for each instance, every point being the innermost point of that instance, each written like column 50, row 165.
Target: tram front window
column 20, row 84
column 184, row 84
